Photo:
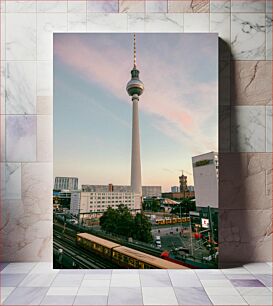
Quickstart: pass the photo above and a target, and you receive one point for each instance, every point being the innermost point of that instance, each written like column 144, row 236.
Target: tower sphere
column 135, row 86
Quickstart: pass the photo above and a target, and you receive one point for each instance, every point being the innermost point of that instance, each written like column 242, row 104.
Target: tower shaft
column 135, row 159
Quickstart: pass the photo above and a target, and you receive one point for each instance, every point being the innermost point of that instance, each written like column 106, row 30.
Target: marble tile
column 44, row 78
column 20, row 88
column 12, row 186
column 227, row 300
column 216, row 283
column 47, row 23
column 251, row 83
column 268, row 23
column 96, row 283
column 155, row 279
column 93, row 291
column 259, row 267
column 125, row 280
column 97, row 276
column 269, row 6
column 44, row 268
column 3, row 36
column 248, row 6
column 240, row 276
column 159, row 296
column 268, row 128
column 77, row 6
column 196, row 23
column 3, row 265
column 222, row 291
column 192, row 296
column 5, row 292
column 21, row 36
column 21, row 6
column 3, row 6
column 44, row 105
column 156, row 6
column 18, row 267
column 44, row 138
column 131, row 6
column 67, row 280
column 220, row 23
column 266, row 279
column 58, row 300
column 77, row 22
column 210, row 275
column 181, row 279
column 247, row 291
column 258, row 299
column 159, row 22
column 220, row 6
column 224, row 82
column 62, row 291
column 106, row 22
column 237, row 271
column 103, row 6
column 20, row 138
column 3, row 88
column 248, row 36
column 248, row 129
column 11, row 280
column 246, row 283
column 136, row 22
column 188, row 6
column 90, row 300
column 57, row 6
column 125, row 296
column 38, row 280
column 25, row 296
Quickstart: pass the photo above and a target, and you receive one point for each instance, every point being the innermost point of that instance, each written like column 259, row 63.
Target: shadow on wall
column 245, row 196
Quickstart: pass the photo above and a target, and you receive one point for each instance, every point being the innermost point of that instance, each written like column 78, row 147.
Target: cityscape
column 105, row 224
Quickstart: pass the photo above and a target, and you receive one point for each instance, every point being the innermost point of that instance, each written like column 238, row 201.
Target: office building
column 67, row 183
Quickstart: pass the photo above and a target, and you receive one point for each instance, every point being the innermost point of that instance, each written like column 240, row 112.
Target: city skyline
column 92, row 111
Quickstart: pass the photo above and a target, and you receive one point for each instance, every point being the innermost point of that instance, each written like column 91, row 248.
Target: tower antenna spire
column 134, row 50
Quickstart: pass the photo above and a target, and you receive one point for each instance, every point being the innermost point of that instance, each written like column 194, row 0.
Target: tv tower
column 135, row 88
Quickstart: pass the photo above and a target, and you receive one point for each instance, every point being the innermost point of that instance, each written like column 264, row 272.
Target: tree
column 185, row 206
column 142, row 228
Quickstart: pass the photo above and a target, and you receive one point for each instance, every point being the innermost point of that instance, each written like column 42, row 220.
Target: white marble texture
column 268, row 23
column 2, row 88
column 48, row 23
column 269, row 6
column 220, row 6
column 21, row 6
column 57, row 6
column 44, row 105
column 196, row 22
column 248, row 129
column 11, row 181
column 77, row 22
column 106, row 22
column 77, row 6
column 156, row 6
column 44, row 78
column 20, row 138
column 248, row 36
column 20, row 88
column 136, row 22
column 3, row 138
column 44, row 138
column 268, row 128
column 132, row 6
column 160, row 22
column 3, row 36
column 188, row 6
column 248, row 6
column 20, row 36
column 102, row 6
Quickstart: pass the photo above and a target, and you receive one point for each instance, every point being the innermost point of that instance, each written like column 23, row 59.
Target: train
column 123, row 256
column 172, row 220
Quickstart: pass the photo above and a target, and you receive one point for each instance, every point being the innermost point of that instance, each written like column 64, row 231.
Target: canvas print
column 135, row 151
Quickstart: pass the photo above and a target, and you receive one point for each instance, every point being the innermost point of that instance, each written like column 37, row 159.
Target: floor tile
column 266, row 279
column 221, row 291
column 91, row 300
column 210, row 274
column 235, row 271
column 38, row 280
column 227, row 300
column 240, row 276
column 253, row 291
column 20, row 267
column 26, row 296
column 98, row 271
column 96, row 283
column 71, row 271
column 259, row 300
column 86, row 291
column 3, row 265
column 216, row 283
column 43, row 267
column 155, row 279
column 159, row 296
column 125, row 296
column 182, row 279
column 125, row 280
column 192, row 296
column 11, row 280
column 62, row 291
column 58, row 300
column 259, row 268
column 96, row 276
column 67, row 280
column 246, row 283
column 5, row 292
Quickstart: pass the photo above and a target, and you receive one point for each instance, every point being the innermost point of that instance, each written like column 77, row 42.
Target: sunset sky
column 92, row 110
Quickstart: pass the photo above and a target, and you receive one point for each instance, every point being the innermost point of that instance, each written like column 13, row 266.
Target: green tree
column 142, row 228
column 185, row 206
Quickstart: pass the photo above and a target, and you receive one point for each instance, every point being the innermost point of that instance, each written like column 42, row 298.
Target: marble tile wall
column 245, row 110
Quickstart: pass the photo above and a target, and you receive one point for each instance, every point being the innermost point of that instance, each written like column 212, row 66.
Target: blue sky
column 92, row 111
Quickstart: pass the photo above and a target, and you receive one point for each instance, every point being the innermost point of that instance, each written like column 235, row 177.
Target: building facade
column 68, row 183
column 205, row 176
column 96, row 203
column 175, row 189
column 147, row 191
